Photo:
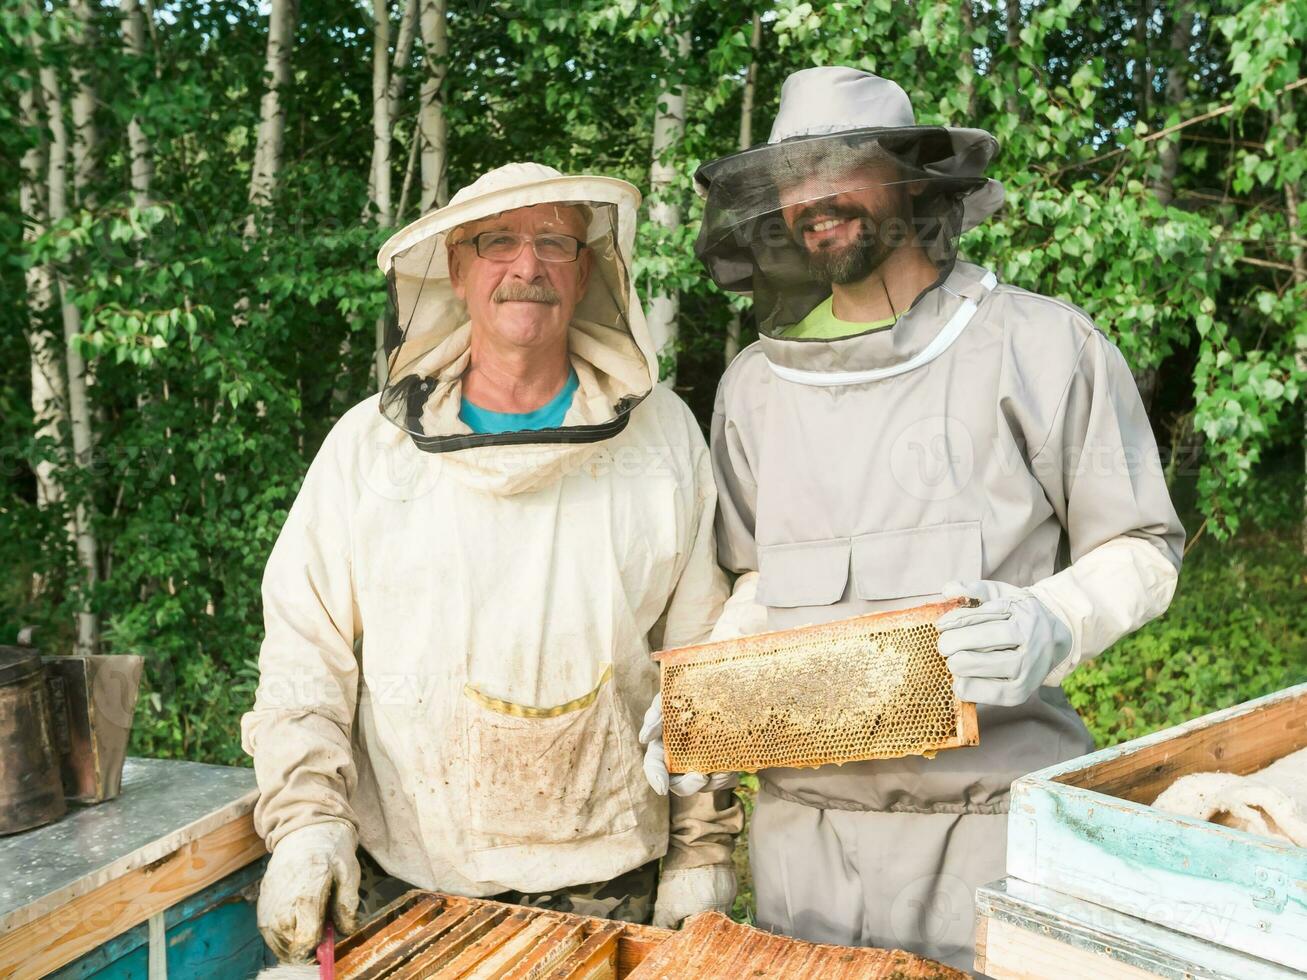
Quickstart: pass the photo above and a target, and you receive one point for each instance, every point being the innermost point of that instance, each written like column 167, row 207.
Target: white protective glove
column 655, row 760
column 309, row 867
column 1000, row 651
column 690, row 891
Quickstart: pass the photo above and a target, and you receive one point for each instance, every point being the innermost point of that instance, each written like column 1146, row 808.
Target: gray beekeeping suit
column 989, row 434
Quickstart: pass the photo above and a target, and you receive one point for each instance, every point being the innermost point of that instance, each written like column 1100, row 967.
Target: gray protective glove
column 1001, row 651
column 309, row 867
column 655, row 760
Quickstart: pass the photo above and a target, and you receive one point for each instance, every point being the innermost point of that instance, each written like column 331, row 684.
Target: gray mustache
column 525, row 292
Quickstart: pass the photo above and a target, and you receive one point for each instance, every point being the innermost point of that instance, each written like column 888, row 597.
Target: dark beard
column 858, row 260
column 852, row 263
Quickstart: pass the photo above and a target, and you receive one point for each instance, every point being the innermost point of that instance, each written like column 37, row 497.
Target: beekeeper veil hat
column 842, row 138
column 428, row 333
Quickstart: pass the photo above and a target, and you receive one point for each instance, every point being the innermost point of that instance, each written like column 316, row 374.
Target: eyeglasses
column 505, row 246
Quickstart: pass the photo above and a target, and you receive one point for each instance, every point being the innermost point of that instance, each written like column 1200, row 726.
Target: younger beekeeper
column 461, row 606
column 907, row 427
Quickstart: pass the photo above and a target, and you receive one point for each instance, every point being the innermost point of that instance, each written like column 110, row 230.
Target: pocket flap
column 808, row 573
column 915, row 561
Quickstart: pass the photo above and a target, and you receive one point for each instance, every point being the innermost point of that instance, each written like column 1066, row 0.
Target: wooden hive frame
column 727, row 706
column 427, row 934
column 444, row 937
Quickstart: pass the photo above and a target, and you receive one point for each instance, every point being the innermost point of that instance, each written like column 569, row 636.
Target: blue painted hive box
column 1086, row 829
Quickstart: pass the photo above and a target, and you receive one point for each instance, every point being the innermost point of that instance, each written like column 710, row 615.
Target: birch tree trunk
column 49, row 392
column 408, row 20
column 968, row 22
column 745, row 141
column 381, row 111
column 387, row 86
column 409, row 168
column 272, row 111
column 1143, row 66
column 1012, row 25
column 79, row 410
column 431, row 115
column 85, row 137
column 138, row 144
column 1177, row 77
column 1178, row 70
column 664, row 209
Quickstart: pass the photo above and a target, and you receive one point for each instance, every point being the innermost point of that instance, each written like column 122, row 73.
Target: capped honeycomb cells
column 872, row 687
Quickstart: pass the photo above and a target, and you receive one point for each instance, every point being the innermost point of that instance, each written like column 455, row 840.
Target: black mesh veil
column 903, row 186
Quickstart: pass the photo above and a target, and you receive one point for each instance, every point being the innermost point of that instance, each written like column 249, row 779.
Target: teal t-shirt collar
column 548, row 416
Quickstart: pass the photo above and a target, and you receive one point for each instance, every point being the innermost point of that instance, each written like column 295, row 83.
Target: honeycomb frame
column 869, row 687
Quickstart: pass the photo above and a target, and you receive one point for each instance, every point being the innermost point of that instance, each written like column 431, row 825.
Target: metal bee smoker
column 31, row 789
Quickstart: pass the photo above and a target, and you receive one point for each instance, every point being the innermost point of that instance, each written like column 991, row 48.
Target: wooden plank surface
column 711, row 945
column 1240, row 740
column 237, row 889
column 164, row 804
column 1019, row 954
column 61, row 935
column 1024, row 930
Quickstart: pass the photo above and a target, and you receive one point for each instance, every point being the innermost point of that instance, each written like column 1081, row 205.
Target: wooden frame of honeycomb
column 870, row 687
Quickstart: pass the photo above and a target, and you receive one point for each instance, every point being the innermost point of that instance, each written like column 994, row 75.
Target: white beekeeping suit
column 459, row 626
column 973, row 438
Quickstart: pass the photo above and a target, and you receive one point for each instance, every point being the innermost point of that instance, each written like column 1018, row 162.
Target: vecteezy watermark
column 936, row 912
column 933, row 458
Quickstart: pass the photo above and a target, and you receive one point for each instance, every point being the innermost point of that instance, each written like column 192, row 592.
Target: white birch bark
column 1012, row 30
column 79, row 410
column 1178, row 71
column 85, row 136
column 431, row 114
column 967, row 19
column 272, row 110
column 744, row 142
column 138, row 143
column 1177, row 78
column 381, row 111
column 409, row 168
column 408, row 23
column 408, row 20
column 48, row 388
column 663, row 304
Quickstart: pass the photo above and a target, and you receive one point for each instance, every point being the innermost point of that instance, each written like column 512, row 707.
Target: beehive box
column 870, row 687
column 427, row 934
column 1025, row 932
column 443, row 937
column 1086, row 829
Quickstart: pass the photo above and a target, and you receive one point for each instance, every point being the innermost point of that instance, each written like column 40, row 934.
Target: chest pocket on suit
column 891, row 564
column 915, row 561
column 806, row 573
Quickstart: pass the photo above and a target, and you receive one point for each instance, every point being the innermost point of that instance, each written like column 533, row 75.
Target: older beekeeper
column 906, row 428
column 461, row 605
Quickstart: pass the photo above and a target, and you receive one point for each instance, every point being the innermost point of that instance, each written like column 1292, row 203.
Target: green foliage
column 1235, row 631
column 220, row 361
